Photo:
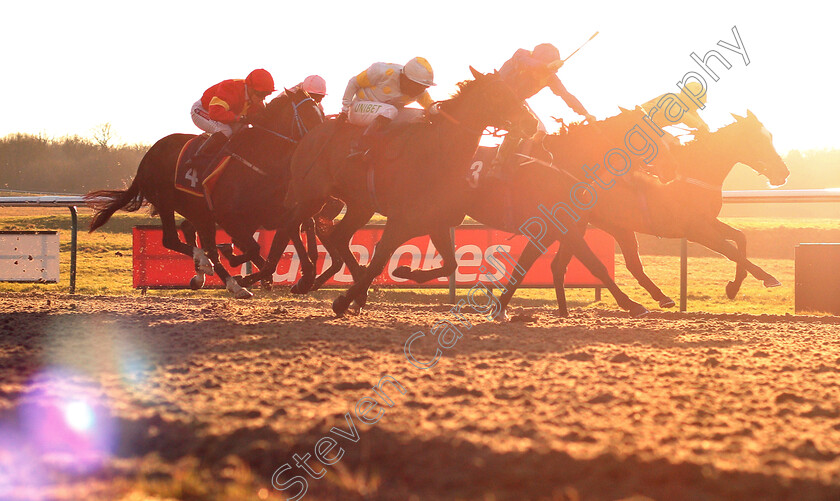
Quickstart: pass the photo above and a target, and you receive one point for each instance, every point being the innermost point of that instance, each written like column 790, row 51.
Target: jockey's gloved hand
column 342, row 117
column 245, row 119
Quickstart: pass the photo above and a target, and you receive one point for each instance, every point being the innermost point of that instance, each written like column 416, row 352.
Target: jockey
column 225, row 108
column 527, row 73
column 376, row 96
column 690, row 116
column 660, row 109
column 316, row 86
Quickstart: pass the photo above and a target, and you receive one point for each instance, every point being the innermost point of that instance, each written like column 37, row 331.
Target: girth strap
column 371, row 184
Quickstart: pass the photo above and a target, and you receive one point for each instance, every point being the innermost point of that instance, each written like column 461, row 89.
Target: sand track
column 598, row 406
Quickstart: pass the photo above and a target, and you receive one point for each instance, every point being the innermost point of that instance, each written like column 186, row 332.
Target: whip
column 584, row 43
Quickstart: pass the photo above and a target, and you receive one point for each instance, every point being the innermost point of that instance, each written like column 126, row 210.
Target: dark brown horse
column 412, row 208
column 687, row 207
column 538, row 188
column 247, row 195
column 415, row 179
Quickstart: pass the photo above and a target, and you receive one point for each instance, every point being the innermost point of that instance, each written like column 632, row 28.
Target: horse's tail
column 106, row 202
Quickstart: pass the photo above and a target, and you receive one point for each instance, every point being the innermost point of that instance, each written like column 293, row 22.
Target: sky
column 69, row 67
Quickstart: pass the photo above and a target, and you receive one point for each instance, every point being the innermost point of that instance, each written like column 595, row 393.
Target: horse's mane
column 577, row 135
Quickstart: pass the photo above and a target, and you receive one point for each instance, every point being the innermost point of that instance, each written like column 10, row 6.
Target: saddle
column 192, row 181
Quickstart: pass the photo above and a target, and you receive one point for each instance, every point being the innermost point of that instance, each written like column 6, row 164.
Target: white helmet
column 419, row 70
column 314, row 84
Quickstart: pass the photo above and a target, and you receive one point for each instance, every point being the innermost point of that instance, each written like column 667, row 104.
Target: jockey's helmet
column 419, row 70
column 260, row 81
column 548, row 54
column 696, row 88
column 314, row 84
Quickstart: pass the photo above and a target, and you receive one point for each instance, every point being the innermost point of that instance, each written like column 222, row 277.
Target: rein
column 297, row 122
column 458, row 123
column 699, row 183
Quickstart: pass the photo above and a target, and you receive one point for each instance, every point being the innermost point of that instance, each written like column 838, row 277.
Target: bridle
column 506, row 126
column 300, row 128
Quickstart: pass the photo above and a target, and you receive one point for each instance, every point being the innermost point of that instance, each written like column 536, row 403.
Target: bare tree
column 102, row 135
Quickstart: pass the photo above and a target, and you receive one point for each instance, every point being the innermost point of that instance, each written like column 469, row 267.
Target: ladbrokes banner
column 476, row 249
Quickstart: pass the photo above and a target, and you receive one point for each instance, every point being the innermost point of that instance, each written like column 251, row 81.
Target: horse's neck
column 706, row 159
column 460, row 139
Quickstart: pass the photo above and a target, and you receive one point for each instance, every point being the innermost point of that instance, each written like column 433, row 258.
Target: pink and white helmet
column 314, row 84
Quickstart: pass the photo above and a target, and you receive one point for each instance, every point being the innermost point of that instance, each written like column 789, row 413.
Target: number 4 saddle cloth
column 192, row 181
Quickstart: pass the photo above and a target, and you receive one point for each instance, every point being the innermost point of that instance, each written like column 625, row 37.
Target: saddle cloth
column 192, row 181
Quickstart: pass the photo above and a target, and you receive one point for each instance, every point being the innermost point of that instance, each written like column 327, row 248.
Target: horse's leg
column 338, row 244
column 581, row 250
column 278, row 247
column 288, row 229
column 559, row 265
column 630, row 250
column 707, row 236
column 207, row 235
column 740, row 240
column 171, row 241
column 443, row 244
column 527, row 259
column 311, row 242
column 392, row 237
column 243, row 239
column 308, row 265
column 187, row 228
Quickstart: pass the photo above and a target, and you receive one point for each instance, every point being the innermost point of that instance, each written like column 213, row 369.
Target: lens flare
column 79, row 416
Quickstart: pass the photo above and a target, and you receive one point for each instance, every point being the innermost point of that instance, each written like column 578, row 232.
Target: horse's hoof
column 354, row 309
column 340, row 305
column 197, row 282
column 266, row 284
column 239, row 280
column 667, row 302
column 303, row 285
column 502, row 316
column 638, row 311
column 772, row 282
column 243, row 294
column 732, row 290
column 402, row 272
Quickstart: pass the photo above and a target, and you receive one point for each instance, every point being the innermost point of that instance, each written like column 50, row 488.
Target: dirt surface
column 108, row 397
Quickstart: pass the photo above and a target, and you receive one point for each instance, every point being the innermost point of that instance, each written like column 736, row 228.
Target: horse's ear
column 475, row 73
column 736, row 117
column 750, row 114
column 623, row 110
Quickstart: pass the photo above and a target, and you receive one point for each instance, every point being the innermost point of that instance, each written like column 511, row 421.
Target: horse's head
column 292, row 113
column 754, row 145
column 489, row 101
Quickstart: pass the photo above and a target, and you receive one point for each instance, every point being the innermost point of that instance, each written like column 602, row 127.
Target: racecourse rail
column 831, row 195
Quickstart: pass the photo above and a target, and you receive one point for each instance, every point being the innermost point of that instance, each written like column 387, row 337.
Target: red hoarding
column 476, row 247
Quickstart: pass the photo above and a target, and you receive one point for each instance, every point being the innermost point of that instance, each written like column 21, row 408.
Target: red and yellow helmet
column 261, row 81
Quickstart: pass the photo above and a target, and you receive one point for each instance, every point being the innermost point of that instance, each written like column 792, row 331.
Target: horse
column 687, row 207
column 508, row 203
column 250, row 181
column 442, row 149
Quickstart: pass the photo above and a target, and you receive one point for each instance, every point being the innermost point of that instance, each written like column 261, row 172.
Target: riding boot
column 503, row 156
column 369, row 137
column 207, row 152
